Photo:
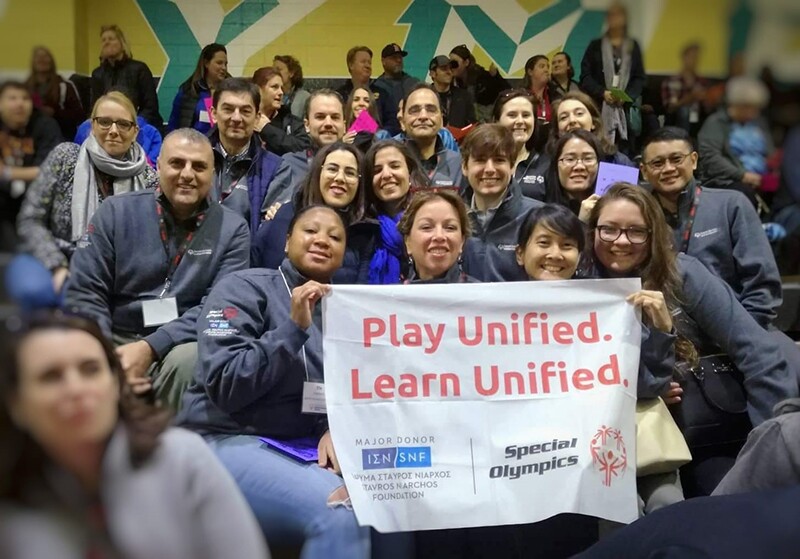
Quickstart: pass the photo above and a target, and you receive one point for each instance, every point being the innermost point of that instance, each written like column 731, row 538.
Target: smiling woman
column 72, row 183
column 254, row 380
column 335, row 181
column 75, row 442
column 572, row 174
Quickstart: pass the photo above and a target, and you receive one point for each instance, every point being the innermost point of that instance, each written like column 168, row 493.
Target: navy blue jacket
column 251, row 368
column 531, row 173
column 489, row 254
column 759, row 525
column 255, row 175
column 121, row 262
column 269, row 246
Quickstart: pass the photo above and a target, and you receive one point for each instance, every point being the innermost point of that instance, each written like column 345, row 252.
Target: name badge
column 204, row 117
column 615, row 81
column 314, row 398
column 159, row 311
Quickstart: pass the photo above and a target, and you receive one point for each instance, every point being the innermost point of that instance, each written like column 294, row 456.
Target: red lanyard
column 162, row 226
column 687, row 229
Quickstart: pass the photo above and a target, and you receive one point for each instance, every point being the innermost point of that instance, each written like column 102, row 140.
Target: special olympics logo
column 609, row 455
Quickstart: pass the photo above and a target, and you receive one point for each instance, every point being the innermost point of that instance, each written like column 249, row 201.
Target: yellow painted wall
column 707, row 25
column 22, row 27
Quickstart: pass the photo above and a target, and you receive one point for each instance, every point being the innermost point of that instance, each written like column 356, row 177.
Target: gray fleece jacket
column 121, row 261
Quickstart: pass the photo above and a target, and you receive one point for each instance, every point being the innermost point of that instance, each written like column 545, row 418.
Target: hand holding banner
column 468, row 405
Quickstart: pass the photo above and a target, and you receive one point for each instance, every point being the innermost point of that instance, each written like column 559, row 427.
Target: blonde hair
column 120, row 99
column 126, row 47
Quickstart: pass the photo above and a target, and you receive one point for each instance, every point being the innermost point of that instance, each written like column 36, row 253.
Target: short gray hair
column 190, row 135
column 744, row 90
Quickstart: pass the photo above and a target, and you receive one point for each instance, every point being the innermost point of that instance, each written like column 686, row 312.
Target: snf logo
column 396, row 457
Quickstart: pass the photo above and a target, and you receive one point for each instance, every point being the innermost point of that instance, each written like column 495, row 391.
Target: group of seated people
column 190, row 282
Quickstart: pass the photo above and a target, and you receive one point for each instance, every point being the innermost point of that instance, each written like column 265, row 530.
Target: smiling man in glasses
column 718, row 227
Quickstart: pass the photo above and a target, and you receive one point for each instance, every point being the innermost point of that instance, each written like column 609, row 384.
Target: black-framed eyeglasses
column 659, row 163
column 105, row 123
column 610, row 233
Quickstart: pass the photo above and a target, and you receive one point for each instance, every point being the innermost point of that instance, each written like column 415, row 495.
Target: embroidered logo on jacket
column 706, row 233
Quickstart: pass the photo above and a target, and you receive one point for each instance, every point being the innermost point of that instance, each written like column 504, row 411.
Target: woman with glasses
column 572, row 174
column 73, row 181
column 89, row 470
column 630, row 238
column 334, row 180
column 516, row 110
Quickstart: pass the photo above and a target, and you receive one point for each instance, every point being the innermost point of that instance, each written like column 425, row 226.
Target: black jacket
column 285, row 133
column 135, row 78
column 593, row 79
column 458, row 108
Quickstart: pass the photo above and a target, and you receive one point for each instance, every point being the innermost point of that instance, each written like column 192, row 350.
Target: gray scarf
column 128, row 172
column 613, row 117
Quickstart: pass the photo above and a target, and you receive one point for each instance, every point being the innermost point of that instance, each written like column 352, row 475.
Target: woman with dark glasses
column 72, row 183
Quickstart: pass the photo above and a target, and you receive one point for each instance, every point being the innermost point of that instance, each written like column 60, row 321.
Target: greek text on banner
column 483, row 404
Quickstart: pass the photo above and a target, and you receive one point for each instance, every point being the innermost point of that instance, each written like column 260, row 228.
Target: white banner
column 483, row 404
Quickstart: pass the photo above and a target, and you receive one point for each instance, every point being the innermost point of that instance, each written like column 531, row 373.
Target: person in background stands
column 149, row 258
column 683, row 95
column 422, row 120
column 614, row 61
column 496, row 205
column 324, row 123
column 119, row 69
column 243, row 169
column 82, row 458
column 484, row 85
column 392, row 86
column 73, row 181
column 735, row 141
column 280, row 130
column 294, row 96
column 537, row 82
column 516, row 109
column 52, row 94
column 359, row 65
column 26, row 138
column 192, row 105
column 458, row 108
column 561, row 76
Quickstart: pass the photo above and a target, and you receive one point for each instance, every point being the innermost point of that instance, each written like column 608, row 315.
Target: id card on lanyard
column 313, row 392
column 156, row 312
